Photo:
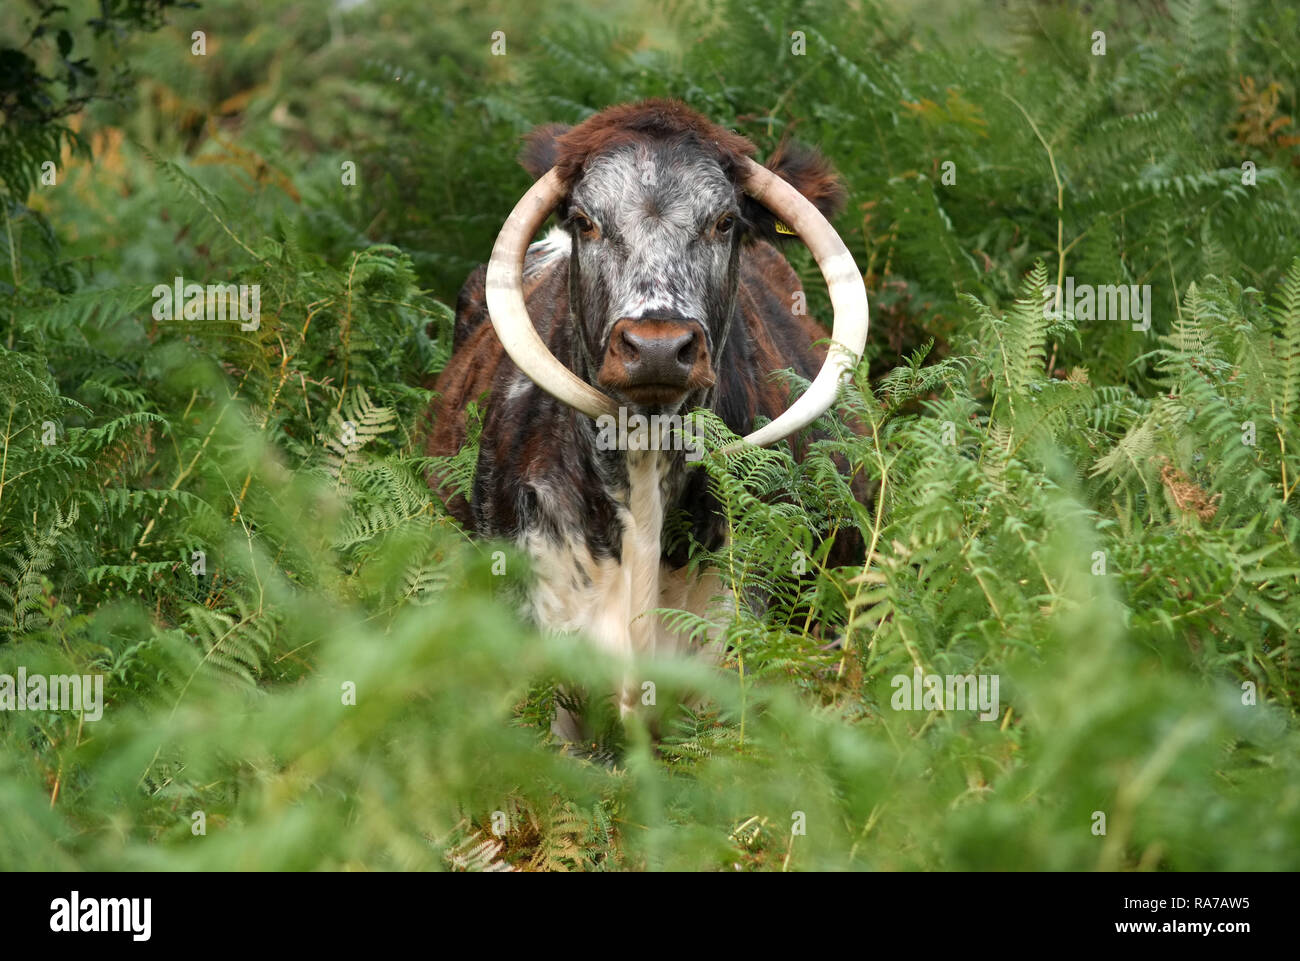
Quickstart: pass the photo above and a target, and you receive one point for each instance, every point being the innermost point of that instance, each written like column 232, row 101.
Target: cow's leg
column 704, row 595
column 575, row 592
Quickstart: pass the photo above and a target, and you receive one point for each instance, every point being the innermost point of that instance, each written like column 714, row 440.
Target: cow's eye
column 584, row 224
column 725, row 223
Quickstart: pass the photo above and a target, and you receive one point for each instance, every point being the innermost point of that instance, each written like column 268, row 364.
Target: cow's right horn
column 505, row 303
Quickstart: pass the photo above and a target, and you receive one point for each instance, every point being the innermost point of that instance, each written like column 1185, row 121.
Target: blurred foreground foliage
column 233, row 526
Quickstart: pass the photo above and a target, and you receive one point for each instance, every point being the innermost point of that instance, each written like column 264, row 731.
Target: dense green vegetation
column 233, row 527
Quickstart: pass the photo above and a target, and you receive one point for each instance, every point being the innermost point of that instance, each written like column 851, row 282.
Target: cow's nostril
column 686, row 356
column 630, row 344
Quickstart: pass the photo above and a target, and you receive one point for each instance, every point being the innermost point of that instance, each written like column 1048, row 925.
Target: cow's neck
column 639, row 482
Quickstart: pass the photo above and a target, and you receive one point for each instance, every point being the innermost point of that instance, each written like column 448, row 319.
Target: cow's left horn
column 509, row 315
column 848, row 298
column 505, row 303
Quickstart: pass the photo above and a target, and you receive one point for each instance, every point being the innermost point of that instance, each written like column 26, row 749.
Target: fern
column 22, row 574
column 358, row 423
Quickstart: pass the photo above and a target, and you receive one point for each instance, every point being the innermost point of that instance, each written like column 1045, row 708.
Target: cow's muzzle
column 655, row 361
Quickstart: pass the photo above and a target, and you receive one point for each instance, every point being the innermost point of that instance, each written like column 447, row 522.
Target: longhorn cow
column 658, row 292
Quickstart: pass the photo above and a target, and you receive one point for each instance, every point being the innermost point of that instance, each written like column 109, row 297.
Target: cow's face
column 655, row 231
column 656, row 218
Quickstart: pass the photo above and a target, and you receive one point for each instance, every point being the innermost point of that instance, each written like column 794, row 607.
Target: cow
column 659, row 291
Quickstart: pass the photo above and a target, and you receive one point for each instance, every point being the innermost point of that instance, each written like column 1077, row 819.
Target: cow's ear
column 809, row 173
column 540, row 149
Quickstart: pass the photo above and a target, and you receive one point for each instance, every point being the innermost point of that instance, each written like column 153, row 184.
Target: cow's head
column 657, row 202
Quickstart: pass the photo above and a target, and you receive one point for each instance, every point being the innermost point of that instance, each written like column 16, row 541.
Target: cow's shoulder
column 775, row 309
column 520, row 419
column 471, row 307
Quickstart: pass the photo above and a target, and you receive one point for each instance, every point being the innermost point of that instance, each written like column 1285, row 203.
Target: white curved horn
column 509, row 315
column 848, row 298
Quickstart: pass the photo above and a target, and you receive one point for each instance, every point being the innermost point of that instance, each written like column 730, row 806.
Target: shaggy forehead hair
column 676, row 184
column 568, row 150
